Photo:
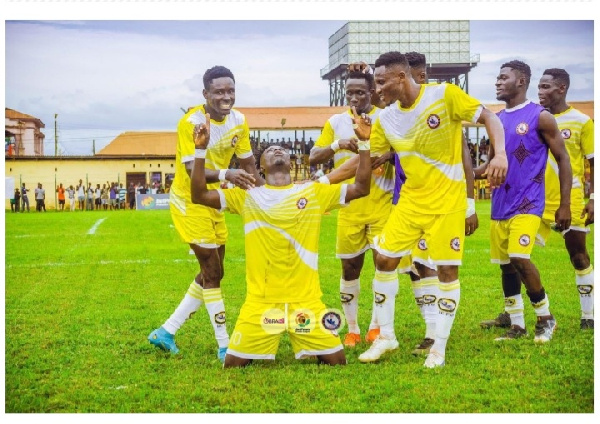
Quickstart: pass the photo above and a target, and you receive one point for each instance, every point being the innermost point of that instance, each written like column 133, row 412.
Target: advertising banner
column 151, row 201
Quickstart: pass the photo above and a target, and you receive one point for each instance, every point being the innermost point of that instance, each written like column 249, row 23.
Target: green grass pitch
column 79, row 306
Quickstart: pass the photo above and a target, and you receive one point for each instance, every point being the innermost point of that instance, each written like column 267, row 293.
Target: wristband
column 364, row 145
column 222, row 173
column 324, row 180
column 470, row 207
column 335, row 146
column 591, row 196
column 200, row 154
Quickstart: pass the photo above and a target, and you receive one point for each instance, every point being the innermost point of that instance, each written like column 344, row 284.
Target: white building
column 22, row 135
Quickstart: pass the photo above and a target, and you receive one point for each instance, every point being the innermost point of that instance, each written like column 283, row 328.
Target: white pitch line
column 122, row 262
column 95, row 226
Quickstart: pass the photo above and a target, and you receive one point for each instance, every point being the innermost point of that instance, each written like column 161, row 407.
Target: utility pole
column 55, row 136
column 93, row 147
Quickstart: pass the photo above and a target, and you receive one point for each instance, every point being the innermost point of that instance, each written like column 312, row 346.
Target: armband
column 324, row 180
column 591, row 196
column 470, row 207
column 222, row 173
column 364, row 145
column 200, row 154
column 335, row 146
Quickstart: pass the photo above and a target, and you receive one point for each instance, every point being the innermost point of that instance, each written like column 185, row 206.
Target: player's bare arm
column 200, row 194
column 498, row 165
column 362, row 183
column 551, row 135
column 471, row 220
column 323, row 154
column 589, row 207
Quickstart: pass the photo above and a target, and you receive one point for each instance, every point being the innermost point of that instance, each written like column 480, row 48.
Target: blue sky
column 105, row 77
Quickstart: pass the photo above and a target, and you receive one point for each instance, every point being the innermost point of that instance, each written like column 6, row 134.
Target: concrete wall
column 68, row 171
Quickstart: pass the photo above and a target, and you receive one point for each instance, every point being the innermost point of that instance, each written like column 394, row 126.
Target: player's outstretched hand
column 202, row 133
column 349, row 144
column 380, row 160
column 362, row 67
column 361, row 125
column 563, row 217
column 589, row 211
column 240, row 178
column 496, row 170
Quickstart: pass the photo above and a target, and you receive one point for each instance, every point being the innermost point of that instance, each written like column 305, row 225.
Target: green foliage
column 79, row 308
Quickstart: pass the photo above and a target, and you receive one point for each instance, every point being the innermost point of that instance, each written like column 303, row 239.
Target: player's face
column 550, row 91
column 419, row 75
column 506, row 84
column 275, row 156
column 220, row 97
column 388, row 83
column 358, row 94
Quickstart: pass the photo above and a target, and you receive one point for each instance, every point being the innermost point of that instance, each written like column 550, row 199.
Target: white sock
column 585, row 285
column 542, row 308
column 448, row 300
column 187, row 307
column 514, row 306
column 385, row 289
column 430, row 289
column 216, row 312
column 349, row 291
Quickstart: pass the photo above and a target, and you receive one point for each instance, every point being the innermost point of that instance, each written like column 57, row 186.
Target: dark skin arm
column 362, row 183
column 471, row 222
column 589, row 207
column 550, row 133
column 323, row 154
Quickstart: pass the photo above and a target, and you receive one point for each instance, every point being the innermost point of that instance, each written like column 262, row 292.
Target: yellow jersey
column 282, row 228
column 577, row 129
column 228, row 137
column 428, row 140
column 376, row 205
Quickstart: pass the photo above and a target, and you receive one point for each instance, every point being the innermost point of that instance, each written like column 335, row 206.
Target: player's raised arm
column 498, row 165
column 362, row 183
column 200, row 194
column 471, row 220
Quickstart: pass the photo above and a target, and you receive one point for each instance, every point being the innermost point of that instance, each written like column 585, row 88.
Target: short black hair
column 521, row 67
column 214, row 73
column 415, row 59
column 559, row 75
column 360, row 75
column 391, row 58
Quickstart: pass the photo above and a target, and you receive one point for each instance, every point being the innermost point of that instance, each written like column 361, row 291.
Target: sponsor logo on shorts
column 585, row 289
column 273, row 321
column 301, row 203
column 422, row 244
column 234, row 140
column 509, row 301
column 566, row 133
column 447, row 305
column 522, row 128
column 428, row 299
column 524, row 240
column 455, row 244
column 220, row 318
column 331, row 321
column 302, row 323
column 379, row 298
column 433, row 121
column 346, row 297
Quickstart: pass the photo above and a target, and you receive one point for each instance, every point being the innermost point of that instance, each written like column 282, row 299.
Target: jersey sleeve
column 326, row 137
column 331, row 196
column 243, row 149
column 461, row 106
column 378, row 140
column 232, row 199
column 185, row 140
column 587, row 139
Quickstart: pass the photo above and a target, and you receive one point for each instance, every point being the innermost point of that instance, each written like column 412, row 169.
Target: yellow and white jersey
column 282, row 227
column 226, row 138
column 577, row 129
column 428, row 139
column 372, row 207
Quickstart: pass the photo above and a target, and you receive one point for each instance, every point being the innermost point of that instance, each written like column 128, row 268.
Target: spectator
column 113, row 196
column 61, row 197
column 40, row 196
column 98, row 197
column 71, row 193
column 24, row 198
column 104, row 197
column 90, row 198
column 16, row 201
column 131, row 195
column 122, row 196
column 81, row 195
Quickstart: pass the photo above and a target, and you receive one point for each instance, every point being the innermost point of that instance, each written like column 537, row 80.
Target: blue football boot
column 162, row 339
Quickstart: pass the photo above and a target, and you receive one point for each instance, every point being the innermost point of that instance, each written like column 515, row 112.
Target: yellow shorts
column 420, row 254
column 444, row 234
column 577, row 223
column 513, row 238
column 200, row 230
column 312, row 328
column 355, row 239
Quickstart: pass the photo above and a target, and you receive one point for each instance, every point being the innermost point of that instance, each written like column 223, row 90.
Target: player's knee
column 350, row 271
column 447, row 273
column 383, row 263
column 522, row 265
column 580, row 260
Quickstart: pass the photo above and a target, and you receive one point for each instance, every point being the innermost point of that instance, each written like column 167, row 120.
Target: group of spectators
column 20, row 201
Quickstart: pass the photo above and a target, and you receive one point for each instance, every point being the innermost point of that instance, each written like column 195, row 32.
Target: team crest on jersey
column 301, row 203
column 422, row 244
column 433, row 121
column 566, row 133
column 585, row 289
column 524, row 240
column 220, row 318
column 455, row 244
column 331, row 321
column 346, row 297
column 379, row 298
column 234, row 140
column 447, row 305
column 522, row 128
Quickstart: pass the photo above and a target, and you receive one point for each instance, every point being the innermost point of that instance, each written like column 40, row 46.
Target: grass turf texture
column 79, row 308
